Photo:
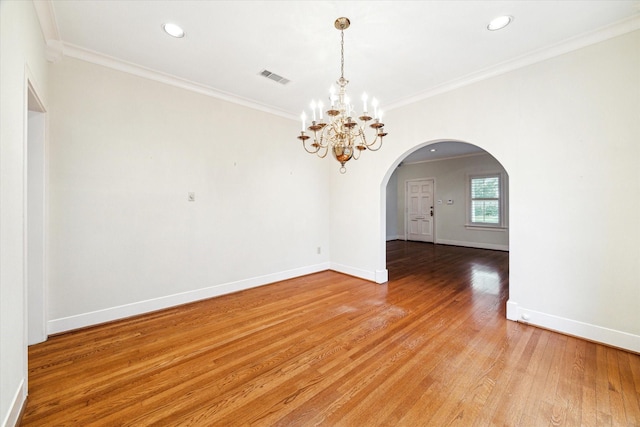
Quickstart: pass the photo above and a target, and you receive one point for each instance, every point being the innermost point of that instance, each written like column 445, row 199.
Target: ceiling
column 442, row 150
column 396, row 51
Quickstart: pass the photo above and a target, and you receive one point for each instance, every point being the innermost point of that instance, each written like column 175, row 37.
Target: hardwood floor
column 431, row 347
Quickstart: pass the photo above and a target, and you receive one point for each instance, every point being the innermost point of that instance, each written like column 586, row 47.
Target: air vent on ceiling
column 273, row 76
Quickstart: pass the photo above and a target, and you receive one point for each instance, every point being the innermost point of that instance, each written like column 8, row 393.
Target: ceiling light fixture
column 173, row 30
column 499, row 23
column 344, row 136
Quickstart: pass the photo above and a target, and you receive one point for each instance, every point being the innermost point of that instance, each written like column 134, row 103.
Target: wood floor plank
column 430, row 347
column 630, row 398
column 616, row 402
column 589, row 417
column 603, row 405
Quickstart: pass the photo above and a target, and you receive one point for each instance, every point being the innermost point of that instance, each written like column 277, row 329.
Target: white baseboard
column 477, row 245
column 356, row 272
column 120, row 312
column 382, row 276
column 389, row 238
column 575, row 328
column 512, row 311
column 19, row 398
column 377, row 276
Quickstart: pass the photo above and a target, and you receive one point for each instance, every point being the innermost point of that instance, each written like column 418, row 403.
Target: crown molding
column 56, row 49
column 49, row 27
column 47, row 18
column 614, row 30
column 98, row 58
column 53, row 51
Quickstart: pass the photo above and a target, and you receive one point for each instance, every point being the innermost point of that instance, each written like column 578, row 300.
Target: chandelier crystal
column 342, row 135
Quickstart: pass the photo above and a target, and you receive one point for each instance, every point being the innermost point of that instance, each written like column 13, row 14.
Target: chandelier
column 342, row 134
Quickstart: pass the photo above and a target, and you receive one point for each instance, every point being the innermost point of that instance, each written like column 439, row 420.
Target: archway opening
column 466, row 199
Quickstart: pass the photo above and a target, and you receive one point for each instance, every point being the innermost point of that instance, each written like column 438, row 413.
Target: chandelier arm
column 323, row 151
column 375, row 145
column 322, row 147
column 356, row 154
column 370, row 147
column 313, row 151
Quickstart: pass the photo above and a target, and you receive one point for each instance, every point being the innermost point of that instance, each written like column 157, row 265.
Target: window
column 486, row 201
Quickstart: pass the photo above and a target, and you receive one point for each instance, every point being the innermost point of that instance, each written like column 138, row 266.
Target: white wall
column 22, row 55
column 124, row 238
column 566, row 130
column 450, row 177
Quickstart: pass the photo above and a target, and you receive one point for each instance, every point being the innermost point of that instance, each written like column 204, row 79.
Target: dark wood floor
column 430, row 348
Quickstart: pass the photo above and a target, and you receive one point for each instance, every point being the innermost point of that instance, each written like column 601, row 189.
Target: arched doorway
column 464, row 212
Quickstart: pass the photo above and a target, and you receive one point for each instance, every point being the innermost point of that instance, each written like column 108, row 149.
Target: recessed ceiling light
column 499, row 23
column 433, row 150
column 173, row 30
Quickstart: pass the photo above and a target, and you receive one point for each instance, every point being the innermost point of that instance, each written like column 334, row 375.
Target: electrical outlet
column 319, row 250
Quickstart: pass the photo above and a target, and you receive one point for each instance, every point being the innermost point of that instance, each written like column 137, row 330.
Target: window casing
column 486, row 201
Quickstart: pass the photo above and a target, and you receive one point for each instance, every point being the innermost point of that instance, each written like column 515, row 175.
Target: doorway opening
column 35, row 224
column 453, row 167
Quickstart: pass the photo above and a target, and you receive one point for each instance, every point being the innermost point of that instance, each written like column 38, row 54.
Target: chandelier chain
column 342, row 53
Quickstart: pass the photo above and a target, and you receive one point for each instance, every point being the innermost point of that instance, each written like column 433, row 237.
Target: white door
column 420, row 210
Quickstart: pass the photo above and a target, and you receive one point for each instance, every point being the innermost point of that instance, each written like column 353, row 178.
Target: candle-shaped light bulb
column 374, row 102
column 303, row 116
column 347, row 104
column 364, row 103
column 332, row 96
column 320, row 107
column 313, row 109
column 380, row 116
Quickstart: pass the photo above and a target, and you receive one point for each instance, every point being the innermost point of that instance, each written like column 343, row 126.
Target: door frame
column 406, row 207
column 36, row 160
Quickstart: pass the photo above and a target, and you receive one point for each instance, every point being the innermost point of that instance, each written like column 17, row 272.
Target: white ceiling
column 398, row 51
column 442, row 150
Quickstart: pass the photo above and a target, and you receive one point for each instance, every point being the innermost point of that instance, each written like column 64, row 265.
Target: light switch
column 191, row 196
